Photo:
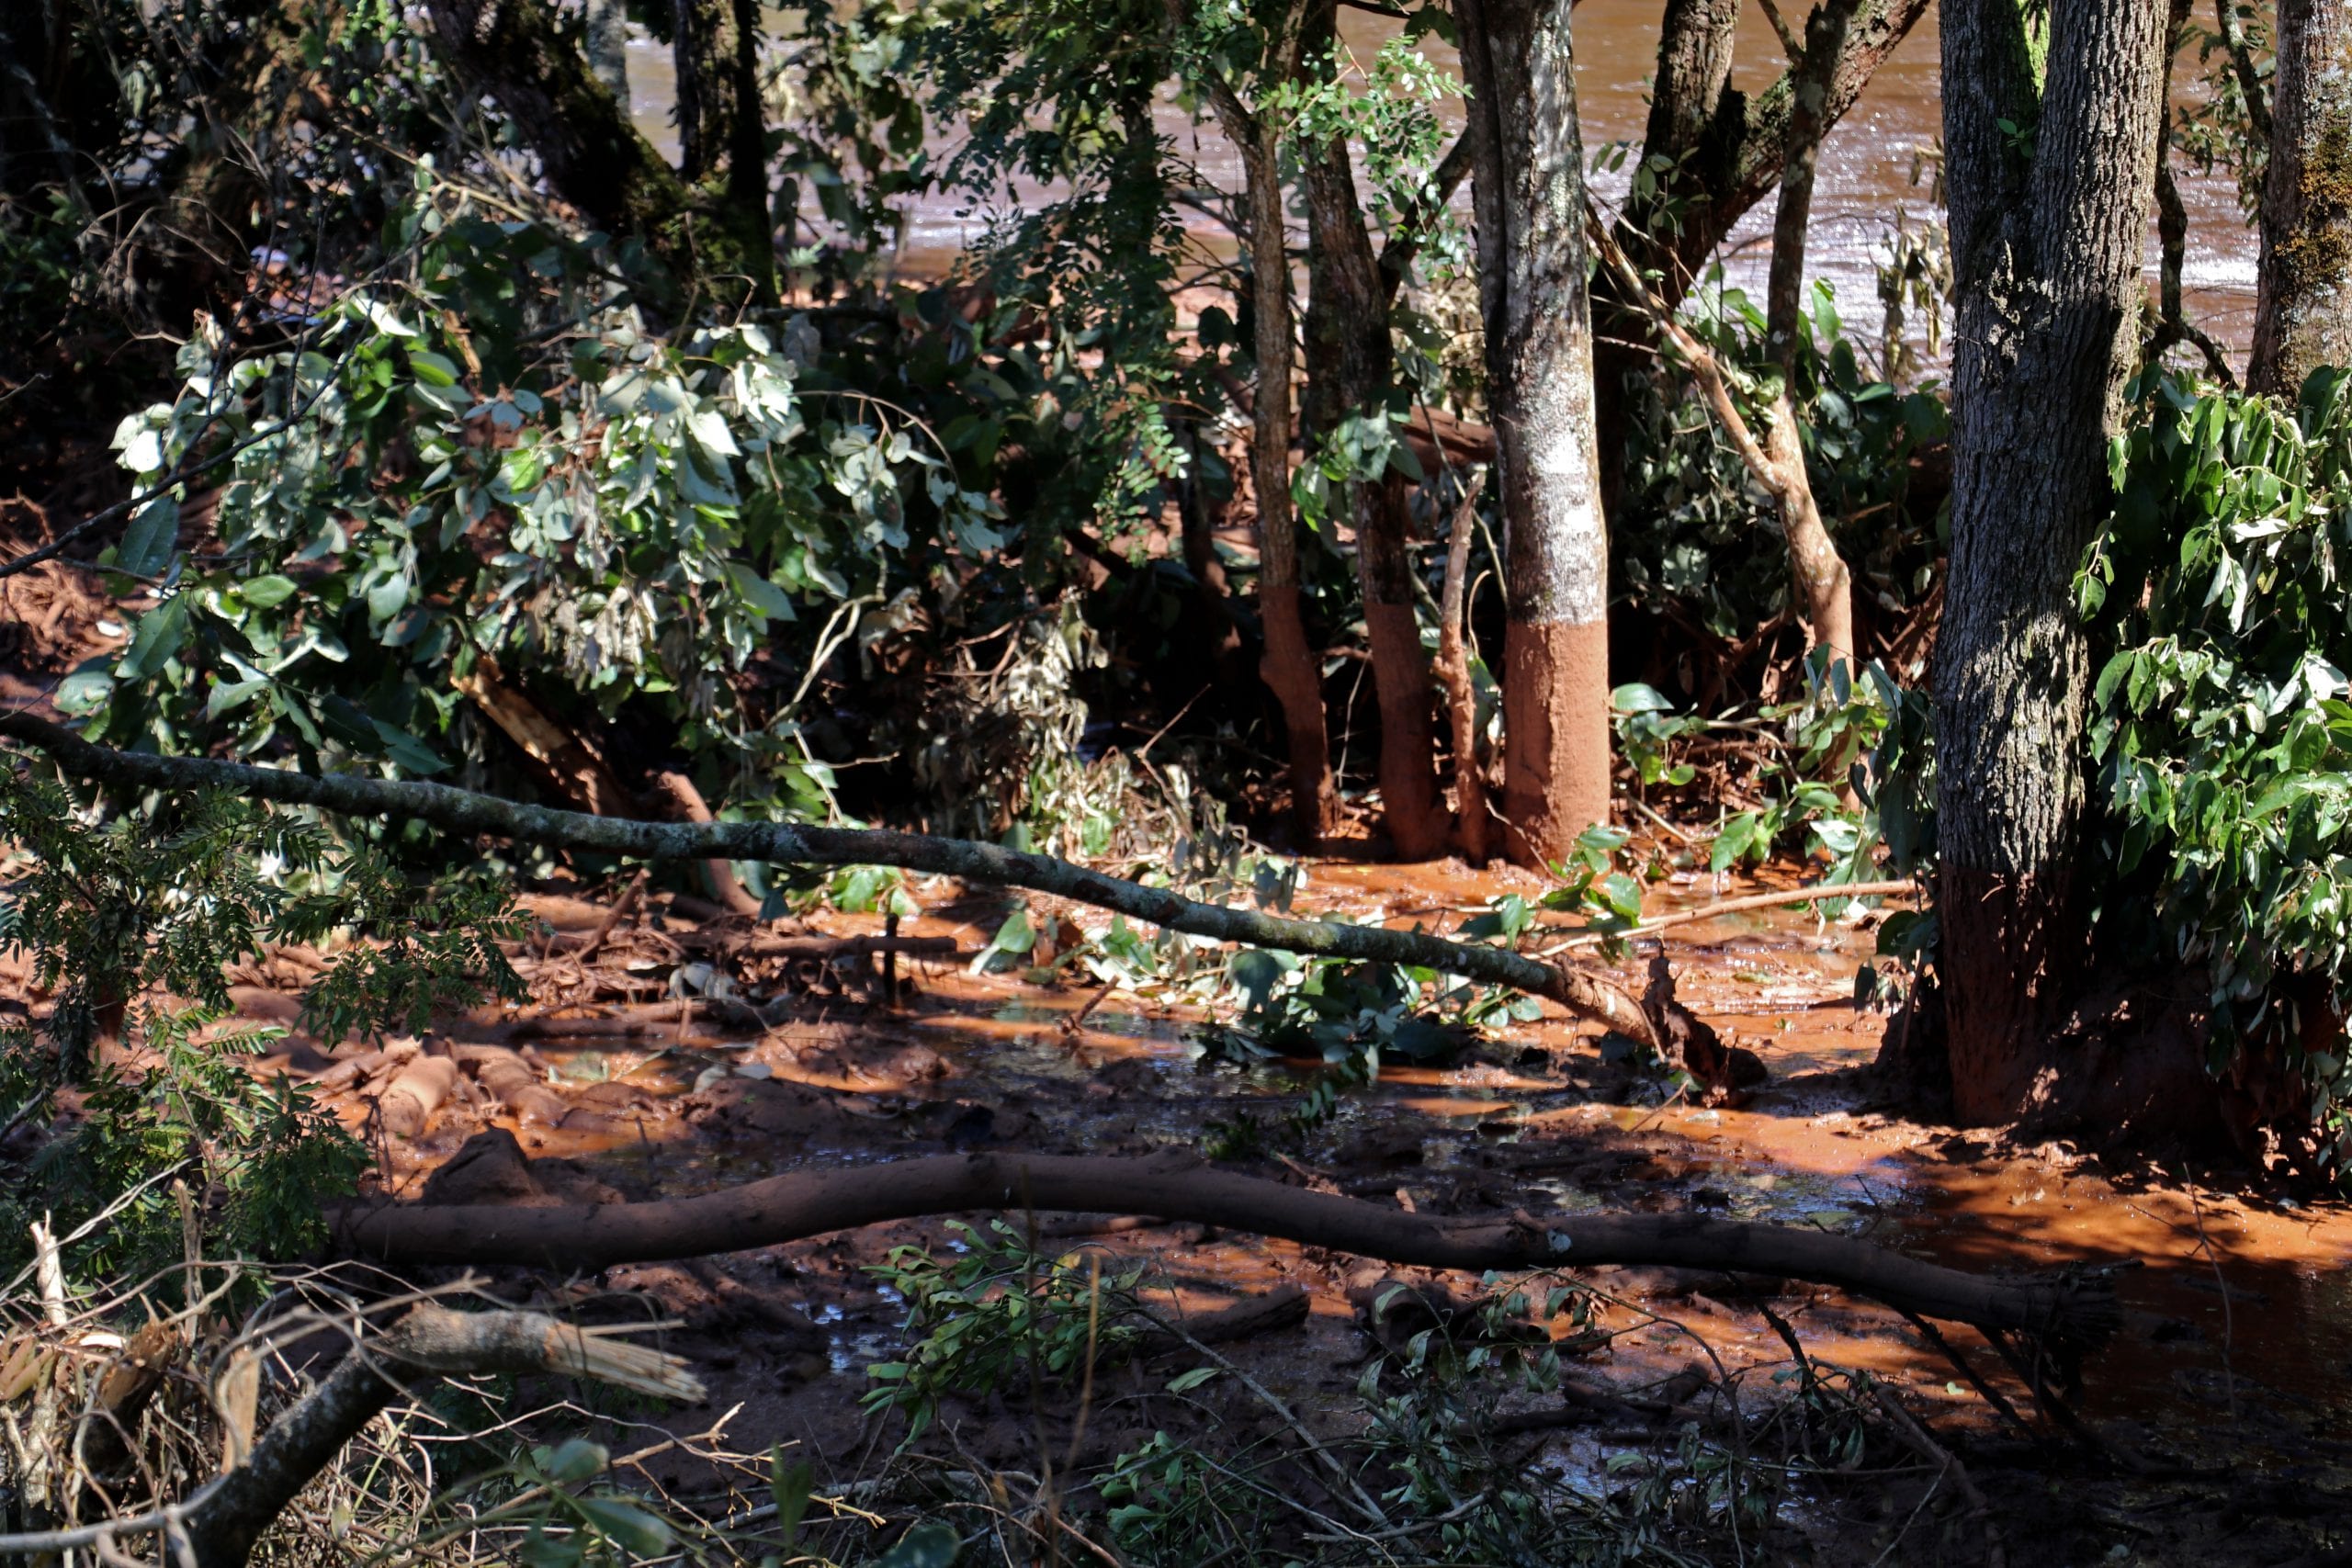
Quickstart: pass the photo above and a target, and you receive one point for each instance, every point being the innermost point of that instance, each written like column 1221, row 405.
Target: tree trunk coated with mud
column 2303, row 312
column 1290, row 668
column 2047, row 239
column 1347, row 329
column 1819, row 573
column 1528, row 192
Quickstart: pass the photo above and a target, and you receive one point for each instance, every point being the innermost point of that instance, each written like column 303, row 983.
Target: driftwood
column 2069, row 1310
column 1583, row 991
column 218, row 1527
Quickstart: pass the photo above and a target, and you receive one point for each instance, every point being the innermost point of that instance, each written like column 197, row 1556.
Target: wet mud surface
column 2227, row 1399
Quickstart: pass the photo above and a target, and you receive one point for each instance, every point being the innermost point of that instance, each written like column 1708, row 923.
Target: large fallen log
column 1584, row 991
column 2074, row 1309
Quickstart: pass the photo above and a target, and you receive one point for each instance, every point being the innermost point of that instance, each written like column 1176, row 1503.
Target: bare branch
column 464, row 812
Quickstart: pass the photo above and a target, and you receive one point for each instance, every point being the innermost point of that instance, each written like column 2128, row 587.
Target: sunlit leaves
column 2220, row 731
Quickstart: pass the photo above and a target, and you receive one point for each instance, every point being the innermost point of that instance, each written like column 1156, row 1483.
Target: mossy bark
column 2304, row 310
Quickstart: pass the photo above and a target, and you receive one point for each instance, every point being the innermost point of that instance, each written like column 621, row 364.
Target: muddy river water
column 1869, row 169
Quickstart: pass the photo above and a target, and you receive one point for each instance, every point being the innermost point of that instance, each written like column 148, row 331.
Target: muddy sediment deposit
column 682, row 1057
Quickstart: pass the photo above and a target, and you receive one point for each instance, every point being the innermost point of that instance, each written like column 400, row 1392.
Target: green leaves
column 146, row 547
column 2219, row 733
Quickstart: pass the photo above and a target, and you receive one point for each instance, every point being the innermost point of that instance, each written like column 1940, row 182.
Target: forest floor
column 2228, row 1394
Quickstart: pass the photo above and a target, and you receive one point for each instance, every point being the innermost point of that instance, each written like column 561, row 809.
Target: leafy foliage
column 120, row 912
column 492, row 459
column 999, row 1313
column 1701, row 537
column 2223, row 733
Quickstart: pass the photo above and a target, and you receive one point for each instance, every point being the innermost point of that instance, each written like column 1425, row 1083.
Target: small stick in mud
column 1924, row 1444
column 613, row 916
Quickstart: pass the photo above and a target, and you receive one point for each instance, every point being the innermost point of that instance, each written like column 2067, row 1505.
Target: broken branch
column 465, row 812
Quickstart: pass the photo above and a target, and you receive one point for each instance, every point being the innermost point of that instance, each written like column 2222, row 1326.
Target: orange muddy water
column 1871, row 167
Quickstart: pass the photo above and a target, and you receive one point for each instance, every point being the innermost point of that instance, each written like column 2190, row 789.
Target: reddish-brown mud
column 2239, row 1314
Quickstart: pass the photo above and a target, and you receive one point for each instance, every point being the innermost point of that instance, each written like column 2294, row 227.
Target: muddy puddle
column 2240, row 1303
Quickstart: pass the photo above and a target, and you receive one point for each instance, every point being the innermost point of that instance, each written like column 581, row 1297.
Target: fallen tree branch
column 465, row 812
column 2072, row 1310
column 1821, row 893
column 218, row 1527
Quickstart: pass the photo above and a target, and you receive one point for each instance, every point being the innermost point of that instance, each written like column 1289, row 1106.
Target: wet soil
column 2228, row 1389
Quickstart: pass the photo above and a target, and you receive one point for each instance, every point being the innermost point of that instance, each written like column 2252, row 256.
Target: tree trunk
column 1290, row 668
column 1821, row 577
column 1200, row 515
column 1722, row 150
column 702, row 47
column 595, row 159
column 1528, row 193
column 2047, row 237
column 2303, row 312
column 605, row 42
column 2173, row 326
column 1346, row 332
column 1473, row 829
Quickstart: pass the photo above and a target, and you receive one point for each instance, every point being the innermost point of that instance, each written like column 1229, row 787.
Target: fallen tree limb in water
column 2065, row 1309
column 786, row 843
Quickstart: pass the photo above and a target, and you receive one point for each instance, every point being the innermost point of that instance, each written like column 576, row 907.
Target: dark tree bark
column 722, row 129
column 2047, row 231
column 595, row 159
column 1528, row 192
column 1349, row 350
column 1724, row 151
column 702, row 50
column 2303, row 311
